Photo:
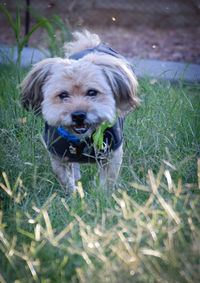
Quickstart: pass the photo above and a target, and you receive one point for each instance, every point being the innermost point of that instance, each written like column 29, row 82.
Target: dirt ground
column 181, row 44
column 141, row 41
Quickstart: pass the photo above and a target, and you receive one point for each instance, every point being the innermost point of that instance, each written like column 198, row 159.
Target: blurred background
column 166, row 30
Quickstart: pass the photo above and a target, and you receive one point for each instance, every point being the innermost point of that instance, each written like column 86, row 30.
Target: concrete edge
column 172, row 71
column 162, row 70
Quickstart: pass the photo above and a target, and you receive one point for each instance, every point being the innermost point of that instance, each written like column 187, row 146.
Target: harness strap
column 102, row 48
column 82, row 151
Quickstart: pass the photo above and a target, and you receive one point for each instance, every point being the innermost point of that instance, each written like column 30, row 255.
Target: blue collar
column 69, row 137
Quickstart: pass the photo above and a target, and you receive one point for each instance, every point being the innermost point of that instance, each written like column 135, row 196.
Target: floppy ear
column 31, row 93
column 124, row 86
column 123, row 82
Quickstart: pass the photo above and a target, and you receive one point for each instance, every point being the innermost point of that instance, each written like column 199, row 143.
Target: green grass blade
column 23, row 43
column 18, row 23
column 7, row 58
column 8, row 15
column 48, row 27
column 59, row 22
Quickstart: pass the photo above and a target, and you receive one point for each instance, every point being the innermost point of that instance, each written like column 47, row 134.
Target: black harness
column 102, row 48
column 83, row 151
column 67, row 146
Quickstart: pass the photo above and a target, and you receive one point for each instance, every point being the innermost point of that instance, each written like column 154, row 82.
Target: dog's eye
column 91, row 92
column 63, row 95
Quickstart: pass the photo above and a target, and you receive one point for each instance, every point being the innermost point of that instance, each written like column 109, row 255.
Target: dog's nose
column 78, row 117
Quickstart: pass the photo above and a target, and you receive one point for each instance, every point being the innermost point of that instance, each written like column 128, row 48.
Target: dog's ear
column 31, row 93
column 123, row 82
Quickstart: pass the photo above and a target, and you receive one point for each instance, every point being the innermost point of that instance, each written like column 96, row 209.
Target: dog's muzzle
column 80, row 126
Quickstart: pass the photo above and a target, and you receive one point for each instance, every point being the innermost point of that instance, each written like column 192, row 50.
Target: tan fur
column 82, row 40
column 111, row 77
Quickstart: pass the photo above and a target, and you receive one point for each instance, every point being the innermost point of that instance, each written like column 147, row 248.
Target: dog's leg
column 77, row 174
column 65, row 173
column 109, row 171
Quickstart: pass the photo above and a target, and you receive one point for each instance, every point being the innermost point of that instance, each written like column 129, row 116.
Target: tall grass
column 166, row 128
column 16, row 27
column 56, row 33
column 146, row 230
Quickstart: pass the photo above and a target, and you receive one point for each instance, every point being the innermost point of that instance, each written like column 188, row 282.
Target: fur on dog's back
column 81, row 41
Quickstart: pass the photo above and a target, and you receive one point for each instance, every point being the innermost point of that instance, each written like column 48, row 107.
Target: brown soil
column 141, row 41
column 181, row 44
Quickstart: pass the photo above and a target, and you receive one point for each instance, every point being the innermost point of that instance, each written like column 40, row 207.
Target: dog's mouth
column 81, row 129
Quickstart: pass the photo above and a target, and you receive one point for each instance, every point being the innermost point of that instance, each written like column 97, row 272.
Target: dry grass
column 157, row 241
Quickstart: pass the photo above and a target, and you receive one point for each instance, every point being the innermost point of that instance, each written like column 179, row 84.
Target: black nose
column 78, row 117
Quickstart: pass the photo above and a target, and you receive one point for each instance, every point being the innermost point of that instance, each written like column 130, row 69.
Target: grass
column 146, row 230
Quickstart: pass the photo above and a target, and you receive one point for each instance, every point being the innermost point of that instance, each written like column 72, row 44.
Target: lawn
column 146, row 230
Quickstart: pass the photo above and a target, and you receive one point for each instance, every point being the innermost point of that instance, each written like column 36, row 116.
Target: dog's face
column 80, row 95
column 77, row 96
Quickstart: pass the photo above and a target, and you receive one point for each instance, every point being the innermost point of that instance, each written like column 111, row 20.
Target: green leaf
column 98, row 135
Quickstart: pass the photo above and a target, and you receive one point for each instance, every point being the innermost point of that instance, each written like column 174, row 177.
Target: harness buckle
column 72, row 149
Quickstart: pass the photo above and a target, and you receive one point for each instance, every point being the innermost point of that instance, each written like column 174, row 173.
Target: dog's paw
column 70, row 191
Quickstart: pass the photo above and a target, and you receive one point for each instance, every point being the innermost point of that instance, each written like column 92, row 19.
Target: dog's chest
column 83, row 151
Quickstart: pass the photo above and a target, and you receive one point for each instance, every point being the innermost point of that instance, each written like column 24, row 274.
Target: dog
column 83, row 99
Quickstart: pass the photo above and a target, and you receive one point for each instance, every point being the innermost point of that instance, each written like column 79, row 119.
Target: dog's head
column 80, row 95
